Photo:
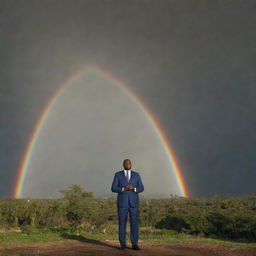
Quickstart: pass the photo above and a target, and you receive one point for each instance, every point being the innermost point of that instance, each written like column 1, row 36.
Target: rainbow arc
column 23, row 168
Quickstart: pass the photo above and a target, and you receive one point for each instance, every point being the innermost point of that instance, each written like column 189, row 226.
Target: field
column 79, row 224
column 50, row 244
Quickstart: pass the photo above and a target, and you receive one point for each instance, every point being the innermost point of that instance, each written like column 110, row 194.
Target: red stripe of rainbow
column 164, row 141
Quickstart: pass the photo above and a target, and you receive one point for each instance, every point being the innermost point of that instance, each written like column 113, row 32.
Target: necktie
column 127, row 177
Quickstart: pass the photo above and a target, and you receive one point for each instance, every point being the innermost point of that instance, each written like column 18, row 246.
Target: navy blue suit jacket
column 127, row 197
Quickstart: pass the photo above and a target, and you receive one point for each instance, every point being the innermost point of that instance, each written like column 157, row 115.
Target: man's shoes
column 135, row 247
column 122, row 247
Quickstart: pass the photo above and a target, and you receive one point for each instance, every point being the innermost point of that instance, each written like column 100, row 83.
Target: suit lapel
column 124, row 176
column 132, row 174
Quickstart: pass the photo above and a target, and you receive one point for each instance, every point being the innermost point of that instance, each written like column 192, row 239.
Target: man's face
column 127, row 164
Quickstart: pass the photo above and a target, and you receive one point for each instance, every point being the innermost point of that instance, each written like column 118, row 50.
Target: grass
column 183, row 238
column 9, row 254
column 146, row 234
column 20, row 238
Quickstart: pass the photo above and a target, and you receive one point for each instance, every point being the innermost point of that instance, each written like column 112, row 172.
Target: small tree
column 78, row 204
column 75, row 192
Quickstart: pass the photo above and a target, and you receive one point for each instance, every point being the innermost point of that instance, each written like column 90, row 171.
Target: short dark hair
column 127, row 159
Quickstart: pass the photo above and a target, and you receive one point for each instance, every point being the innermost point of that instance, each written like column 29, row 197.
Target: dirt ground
column 90, row 247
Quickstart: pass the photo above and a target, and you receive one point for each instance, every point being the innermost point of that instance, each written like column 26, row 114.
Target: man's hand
column 128, row 187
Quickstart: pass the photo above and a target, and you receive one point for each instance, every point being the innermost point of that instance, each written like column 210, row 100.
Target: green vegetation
column 9, row 254
column 228, row 220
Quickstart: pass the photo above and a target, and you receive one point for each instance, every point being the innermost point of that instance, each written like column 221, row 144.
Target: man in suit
column 127, row 183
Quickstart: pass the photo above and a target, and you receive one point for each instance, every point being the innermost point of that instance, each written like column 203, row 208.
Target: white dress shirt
column 128, row 172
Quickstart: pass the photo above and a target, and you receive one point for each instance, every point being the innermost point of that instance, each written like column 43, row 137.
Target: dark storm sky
column 191, row 62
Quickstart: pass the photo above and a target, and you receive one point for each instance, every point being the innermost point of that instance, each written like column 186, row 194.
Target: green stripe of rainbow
column 33, row 138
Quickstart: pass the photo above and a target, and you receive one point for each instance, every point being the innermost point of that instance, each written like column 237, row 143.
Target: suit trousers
column 134, row 224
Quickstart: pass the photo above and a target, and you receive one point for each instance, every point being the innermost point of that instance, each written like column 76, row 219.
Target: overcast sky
column 191, row 62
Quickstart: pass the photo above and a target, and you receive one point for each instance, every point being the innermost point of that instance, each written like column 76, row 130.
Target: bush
column 27, row 229
column 176, row 222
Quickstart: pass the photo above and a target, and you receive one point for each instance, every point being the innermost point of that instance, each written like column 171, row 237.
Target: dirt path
column 91, row 247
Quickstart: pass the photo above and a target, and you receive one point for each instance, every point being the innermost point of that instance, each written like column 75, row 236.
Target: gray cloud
column 191, row 62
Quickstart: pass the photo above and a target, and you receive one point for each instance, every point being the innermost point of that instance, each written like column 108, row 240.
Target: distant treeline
column 216, row 217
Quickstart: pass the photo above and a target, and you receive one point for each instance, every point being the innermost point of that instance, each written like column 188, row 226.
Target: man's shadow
column 87, row 240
